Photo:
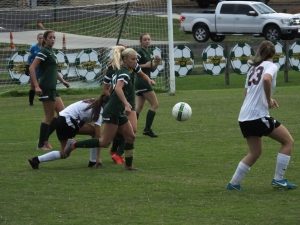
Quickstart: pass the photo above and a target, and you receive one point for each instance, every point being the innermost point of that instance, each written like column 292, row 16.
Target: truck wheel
column 200, row 33
column 272, row 33
column 217, row 38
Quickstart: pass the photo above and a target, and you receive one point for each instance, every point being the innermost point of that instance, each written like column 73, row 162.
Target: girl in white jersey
column 255, row 121
column 76, row 119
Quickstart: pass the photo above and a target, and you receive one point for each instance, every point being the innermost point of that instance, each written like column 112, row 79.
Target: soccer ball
column 279, row 57
column 294, row 56
column 17, row 66
column 239, row 56
column 184, row 60
column 214, row 60
column 87, row 64
column 62, row 63
column 182, row 111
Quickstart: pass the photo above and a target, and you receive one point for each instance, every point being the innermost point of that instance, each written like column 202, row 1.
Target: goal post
column 85, row 32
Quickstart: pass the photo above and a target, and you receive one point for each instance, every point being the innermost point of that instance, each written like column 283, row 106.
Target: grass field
column 182, row 174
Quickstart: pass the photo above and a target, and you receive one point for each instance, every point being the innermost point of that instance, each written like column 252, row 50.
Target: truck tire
column 217, row 38
column 272, row 33
column 201, row 33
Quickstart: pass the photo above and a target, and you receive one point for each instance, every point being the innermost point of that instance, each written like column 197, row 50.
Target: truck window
column 227, row 9
column 243, row 9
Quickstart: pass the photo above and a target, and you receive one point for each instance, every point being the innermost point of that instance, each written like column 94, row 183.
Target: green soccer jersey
column 144, row 57
column 114, row 106
column 47, row 68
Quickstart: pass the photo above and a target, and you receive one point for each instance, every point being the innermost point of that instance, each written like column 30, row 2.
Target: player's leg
column 283, row 136
column 126, row 130
column 150, row 96
column 255, row 149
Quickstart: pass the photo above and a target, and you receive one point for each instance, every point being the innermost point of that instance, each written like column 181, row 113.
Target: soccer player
column 115, row 119
column 255, row 120
column 46, row 87
column 34, row 50
column 117, row 148
column 144, row 91
column 82, row 117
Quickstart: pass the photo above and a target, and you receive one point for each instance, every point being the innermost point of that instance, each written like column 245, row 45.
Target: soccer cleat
column 95, row 164
column 130, row 168
column 117, row 159
column 149, row 133
column 69, row 147
column 46, row 147
column 34, row 163
column 91, row 164
column 283, row 184
column 232, row 187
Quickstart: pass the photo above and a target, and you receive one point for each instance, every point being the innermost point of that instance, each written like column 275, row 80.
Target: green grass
column 182, row 174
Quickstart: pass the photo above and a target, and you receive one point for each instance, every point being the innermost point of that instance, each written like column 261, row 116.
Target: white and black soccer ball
column 214, row 60
column 87, row 64
column 17, row 66
column 279, row 57
column 184, row 60
column 157, row 52
column 239, row 56
column 182, row 111
column 294, row 56
column 62, row 63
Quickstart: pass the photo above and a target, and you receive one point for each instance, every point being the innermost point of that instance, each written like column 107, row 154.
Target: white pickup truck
column 240, row 17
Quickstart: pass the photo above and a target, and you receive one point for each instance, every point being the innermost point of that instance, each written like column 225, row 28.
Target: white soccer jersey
column 255, row 104
column 79, row 114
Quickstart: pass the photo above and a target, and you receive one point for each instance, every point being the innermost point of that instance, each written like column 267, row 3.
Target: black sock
column 90, row 143
column 44, row 133
column 149, row 119
column 116, row 143
column 52, row 126
column 31, row 96
column 120, row 149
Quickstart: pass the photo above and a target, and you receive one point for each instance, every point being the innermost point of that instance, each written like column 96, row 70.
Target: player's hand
column 66, row 84
column 128, row 107
column 152, row 82
column 38, row 90
column 273, row 104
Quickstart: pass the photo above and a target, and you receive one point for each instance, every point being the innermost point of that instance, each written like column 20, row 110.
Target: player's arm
column 106, row 89
column 62, row 80
column 267, row 83
column 146, row 78
column 119, row 91
column 32, row 72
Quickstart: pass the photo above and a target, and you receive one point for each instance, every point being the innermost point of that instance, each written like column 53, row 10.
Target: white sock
column 240, row 173
column 281, row 166
column 93, row 154
column 50, row 156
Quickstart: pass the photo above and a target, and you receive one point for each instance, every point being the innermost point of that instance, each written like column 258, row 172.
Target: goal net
column 85, row 32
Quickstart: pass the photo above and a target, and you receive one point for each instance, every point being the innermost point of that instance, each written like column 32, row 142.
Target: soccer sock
column 31, row 96
column 52, row 126
column 91, row 143
column 281, row 165
column 120, row 150
column 149, row 119
column 128, row 150
column 50, row 156
column 116, row 143
column 240, row 173
column 93, row 154
column 44, row 131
